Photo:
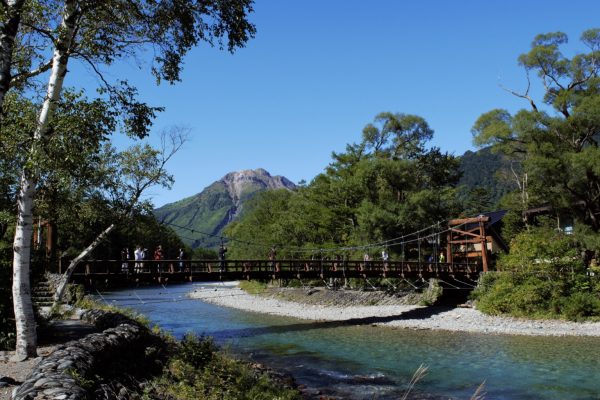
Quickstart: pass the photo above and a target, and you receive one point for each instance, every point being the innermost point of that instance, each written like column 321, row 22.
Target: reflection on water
column 356, row 360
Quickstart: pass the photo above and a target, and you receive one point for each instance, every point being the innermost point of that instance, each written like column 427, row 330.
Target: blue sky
column 318, row 71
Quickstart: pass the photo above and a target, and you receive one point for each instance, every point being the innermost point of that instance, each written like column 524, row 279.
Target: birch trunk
column 8, row 32
column 26, row 345
column 60, row 291
column 24, row 316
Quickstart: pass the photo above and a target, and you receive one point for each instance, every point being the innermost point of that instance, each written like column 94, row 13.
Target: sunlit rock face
column 218, row 204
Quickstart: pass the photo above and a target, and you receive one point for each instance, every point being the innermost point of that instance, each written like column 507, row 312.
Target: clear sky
column 319, row 70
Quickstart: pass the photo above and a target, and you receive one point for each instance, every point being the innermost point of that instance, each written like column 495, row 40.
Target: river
column 366, row 362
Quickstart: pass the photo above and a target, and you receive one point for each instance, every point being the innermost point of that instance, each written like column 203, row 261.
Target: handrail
column 248, row 266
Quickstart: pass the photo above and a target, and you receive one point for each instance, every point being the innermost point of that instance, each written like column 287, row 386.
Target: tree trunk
column 60, row 291
column 25, row 321
column 8, row 32
column 21, row 289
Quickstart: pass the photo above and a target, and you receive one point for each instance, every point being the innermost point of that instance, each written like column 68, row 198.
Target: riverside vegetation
column 543, row 276
column 191, row 368
column 357, row 292
column 198, row 369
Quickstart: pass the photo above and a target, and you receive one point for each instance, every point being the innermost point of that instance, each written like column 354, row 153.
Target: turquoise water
column 363, row 361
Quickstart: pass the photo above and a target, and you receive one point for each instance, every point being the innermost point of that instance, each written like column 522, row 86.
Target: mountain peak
column 218, row 204
column 239, row 182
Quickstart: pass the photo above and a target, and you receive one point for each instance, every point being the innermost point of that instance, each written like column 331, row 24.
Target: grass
column 88, row 303
column 199, row 370
column 420, row 374
column 253, row 287
column 417, row 376
column 58, row 312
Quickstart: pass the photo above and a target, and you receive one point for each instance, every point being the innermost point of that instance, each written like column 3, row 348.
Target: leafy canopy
column 387, row 185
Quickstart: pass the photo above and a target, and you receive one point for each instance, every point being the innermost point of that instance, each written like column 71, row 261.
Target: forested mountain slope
column 487, row 170
column 218, row 204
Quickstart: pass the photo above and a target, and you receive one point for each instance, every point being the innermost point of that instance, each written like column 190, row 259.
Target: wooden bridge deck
column 92, row 272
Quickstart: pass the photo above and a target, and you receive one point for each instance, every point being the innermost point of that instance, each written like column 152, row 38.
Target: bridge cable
column 400, row 240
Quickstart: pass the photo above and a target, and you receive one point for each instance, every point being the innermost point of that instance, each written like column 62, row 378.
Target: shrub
column 197, row 351
column 544, row 252
column 543, row 276
column 200, row 371
column 580, row 306
column 433, row 292
column 75, row 293
column 493, row 295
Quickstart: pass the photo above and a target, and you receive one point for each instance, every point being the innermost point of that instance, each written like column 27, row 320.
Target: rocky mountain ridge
column 209, row 211
column 237, row 183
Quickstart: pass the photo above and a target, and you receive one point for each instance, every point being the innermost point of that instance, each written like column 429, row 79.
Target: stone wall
column 65, row 373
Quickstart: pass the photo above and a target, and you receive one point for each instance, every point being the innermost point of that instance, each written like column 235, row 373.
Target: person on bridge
column 139, row 256
column 124, row 258
column 272, row 255
column 181, row 258
column 222, row 251
column 385, row 257
column 442, row 257
column 158, row 256
column 367, row 261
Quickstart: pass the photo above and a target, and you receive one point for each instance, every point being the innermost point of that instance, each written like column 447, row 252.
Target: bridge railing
column 287, row 267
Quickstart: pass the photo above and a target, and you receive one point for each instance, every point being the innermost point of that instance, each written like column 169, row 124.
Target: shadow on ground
column 419, row 313
column 62, row 331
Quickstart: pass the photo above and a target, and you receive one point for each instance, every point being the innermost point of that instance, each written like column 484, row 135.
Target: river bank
column 391, row 314
column 104, row 354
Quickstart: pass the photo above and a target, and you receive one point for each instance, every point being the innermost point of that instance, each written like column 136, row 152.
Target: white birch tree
column 99, row 33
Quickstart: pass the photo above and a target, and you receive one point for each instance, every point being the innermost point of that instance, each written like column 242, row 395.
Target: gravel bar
column 397, row 316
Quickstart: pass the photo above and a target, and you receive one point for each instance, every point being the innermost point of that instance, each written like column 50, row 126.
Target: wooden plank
column 466, row 241
column 461, row 221
column 466, row 233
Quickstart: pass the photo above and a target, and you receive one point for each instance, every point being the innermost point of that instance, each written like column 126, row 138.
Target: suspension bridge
column 465, row 245
column 120, row 272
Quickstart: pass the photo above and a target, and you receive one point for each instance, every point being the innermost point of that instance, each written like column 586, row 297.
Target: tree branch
column 547, row 74
column 524, row 95
column 21, row 77
column 46, row 33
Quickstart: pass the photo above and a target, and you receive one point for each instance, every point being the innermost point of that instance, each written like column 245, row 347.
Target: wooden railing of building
column 472, row 232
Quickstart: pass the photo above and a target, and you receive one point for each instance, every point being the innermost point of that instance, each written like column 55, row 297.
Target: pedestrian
column 442, row 257
column 124, row 258
column 139, row 256
column 366, row 259
column 385, row 257
column 181, row 257
column 272, row 255
column 158, row 257
column 222, row 251
column 336, row 264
